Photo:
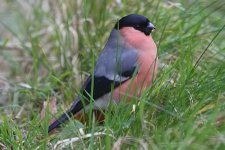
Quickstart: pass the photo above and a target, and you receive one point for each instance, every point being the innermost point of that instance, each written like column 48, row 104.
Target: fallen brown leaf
column 49, row 105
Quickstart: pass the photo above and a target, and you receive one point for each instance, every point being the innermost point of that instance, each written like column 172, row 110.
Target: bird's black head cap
column 136, row 21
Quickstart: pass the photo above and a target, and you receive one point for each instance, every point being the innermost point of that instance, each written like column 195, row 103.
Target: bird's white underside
column 101, row 103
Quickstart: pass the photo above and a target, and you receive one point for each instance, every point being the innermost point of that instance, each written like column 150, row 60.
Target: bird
column 126, row 66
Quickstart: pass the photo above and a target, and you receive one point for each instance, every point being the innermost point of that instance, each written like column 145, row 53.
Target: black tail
column 58, row 122
column 75, row 108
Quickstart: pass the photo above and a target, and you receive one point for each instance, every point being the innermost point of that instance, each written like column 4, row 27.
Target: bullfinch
column 126, row 66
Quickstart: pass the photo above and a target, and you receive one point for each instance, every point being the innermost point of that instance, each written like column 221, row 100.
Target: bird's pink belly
column 133, row 87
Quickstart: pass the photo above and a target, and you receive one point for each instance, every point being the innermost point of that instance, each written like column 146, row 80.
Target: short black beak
column 151, row 26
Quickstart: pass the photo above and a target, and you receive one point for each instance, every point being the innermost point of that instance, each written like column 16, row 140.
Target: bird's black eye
column 138, row 27
column 142, row 27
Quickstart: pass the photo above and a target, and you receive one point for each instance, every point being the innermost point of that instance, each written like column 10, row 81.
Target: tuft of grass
column 48, row 48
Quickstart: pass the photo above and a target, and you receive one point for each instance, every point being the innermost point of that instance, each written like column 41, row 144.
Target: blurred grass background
column 47, row 48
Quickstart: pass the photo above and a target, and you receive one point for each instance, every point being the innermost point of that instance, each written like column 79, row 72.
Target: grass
column 48, row 48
